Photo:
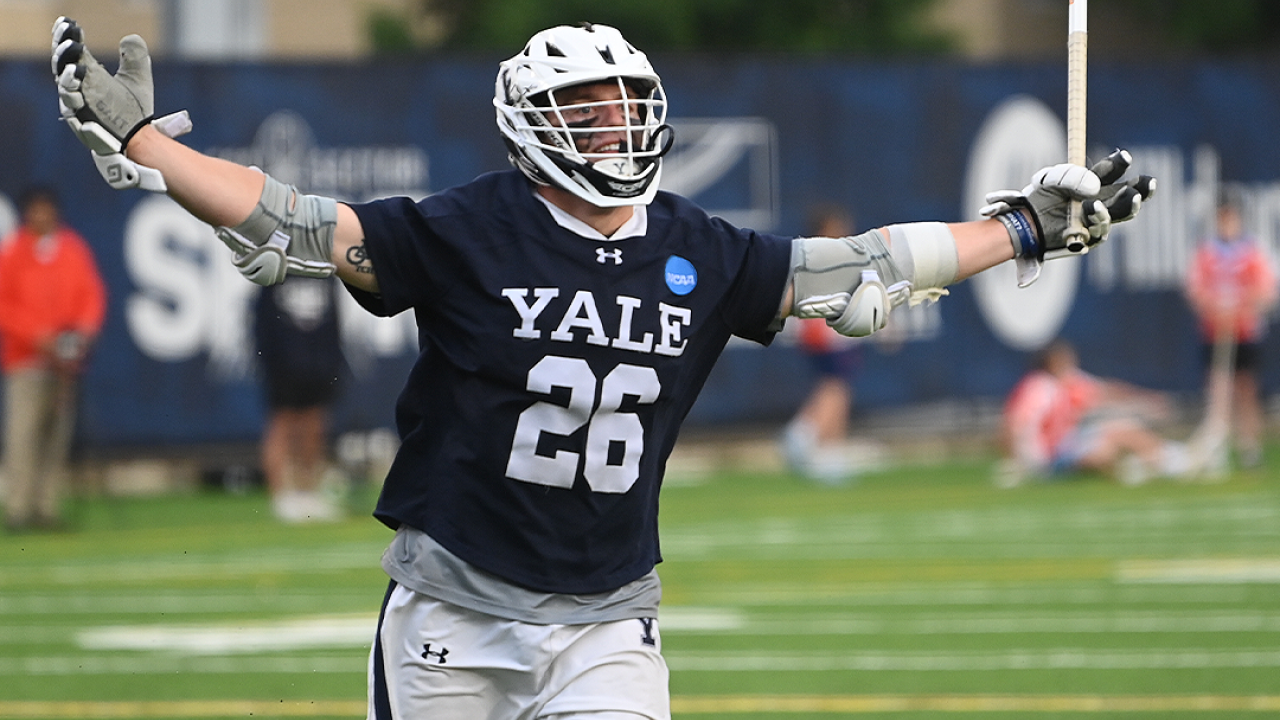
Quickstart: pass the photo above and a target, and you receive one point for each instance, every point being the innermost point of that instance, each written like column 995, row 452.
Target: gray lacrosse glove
column 1039, row 216
column 104, row 110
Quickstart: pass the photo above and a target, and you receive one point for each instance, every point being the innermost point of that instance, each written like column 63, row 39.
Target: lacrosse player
column 568, row 313
column 1232, row 288
column 1060, row 420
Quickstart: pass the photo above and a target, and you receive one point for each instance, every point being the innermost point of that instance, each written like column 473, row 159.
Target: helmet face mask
column 582, row 110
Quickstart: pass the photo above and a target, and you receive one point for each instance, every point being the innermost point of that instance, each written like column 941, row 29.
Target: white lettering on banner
column 285, row 148
column 189, row 300
column 1020, row 136
column 1148, row 254
column 1152, row 252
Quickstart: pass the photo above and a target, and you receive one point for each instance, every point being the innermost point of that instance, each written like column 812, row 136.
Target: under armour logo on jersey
column 615, row 255
column 647, row 637
column 428, row 653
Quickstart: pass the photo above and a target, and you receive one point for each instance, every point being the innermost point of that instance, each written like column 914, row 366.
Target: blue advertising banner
column 760, row 141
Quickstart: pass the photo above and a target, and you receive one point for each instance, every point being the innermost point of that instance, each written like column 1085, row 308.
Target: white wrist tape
column 926, row 252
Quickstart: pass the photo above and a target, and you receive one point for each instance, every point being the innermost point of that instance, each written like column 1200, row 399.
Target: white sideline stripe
column 817, row 547
column 337, row 631
column 163, row 665
column 733, row 704
column 732, row 621
column 854, row 592
column 357, row 630
column 866, row 594
column 229, row 639
column 1247, row 521
column 1060, row 659
column 1220, row 570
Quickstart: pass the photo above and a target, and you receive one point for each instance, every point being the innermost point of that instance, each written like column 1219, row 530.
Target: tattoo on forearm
column 359, row 259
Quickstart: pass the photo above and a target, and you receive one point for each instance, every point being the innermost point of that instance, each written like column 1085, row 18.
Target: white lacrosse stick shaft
column 1077, row 87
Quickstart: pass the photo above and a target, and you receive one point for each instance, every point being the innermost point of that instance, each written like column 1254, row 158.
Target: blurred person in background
column 300, row 354
column 1231, row 287
column 52, row 306
column 814, row 441
column 1060, row 421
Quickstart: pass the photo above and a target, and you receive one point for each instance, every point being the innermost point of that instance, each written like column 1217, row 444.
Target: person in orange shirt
column 1060, row 419
column 1231, row 287
column 52, row 304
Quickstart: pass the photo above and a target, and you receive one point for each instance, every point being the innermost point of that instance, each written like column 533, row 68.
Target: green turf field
column 919, row 592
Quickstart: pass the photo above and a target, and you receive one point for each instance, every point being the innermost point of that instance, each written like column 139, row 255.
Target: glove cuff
column 124, row 142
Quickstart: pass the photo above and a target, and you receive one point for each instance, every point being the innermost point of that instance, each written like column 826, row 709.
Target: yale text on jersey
column 542, row 312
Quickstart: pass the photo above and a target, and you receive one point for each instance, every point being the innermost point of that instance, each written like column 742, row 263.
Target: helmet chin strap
column 663, row 130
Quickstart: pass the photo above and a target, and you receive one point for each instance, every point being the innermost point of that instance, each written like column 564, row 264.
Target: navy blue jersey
column 555, row 371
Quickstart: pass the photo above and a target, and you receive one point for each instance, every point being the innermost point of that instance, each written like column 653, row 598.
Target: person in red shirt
column 52, row 304
column 1231, row 287
column 1060, row 419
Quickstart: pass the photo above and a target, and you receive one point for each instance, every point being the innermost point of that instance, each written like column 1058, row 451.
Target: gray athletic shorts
column 432, row 659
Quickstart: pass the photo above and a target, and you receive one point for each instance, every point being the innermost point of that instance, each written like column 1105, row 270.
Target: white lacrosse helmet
column 552, row 150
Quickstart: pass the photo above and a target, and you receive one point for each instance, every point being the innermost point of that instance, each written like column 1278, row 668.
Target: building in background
column 983, row 30
column 203, row 29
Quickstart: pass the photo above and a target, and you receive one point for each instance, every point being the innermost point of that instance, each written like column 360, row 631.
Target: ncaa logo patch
column 682, row 278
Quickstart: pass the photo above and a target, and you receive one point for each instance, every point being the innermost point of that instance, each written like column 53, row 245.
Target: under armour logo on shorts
column 428, row 653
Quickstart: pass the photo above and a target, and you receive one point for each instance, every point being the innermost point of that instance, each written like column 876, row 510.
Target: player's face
column 41, row 217
column 1229, row 225
column 598, row 116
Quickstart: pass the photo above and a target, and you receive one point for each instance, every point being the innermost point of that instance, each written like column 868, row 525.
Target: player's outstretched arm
column 225, row 195
column 216, row 191
column 854, row 282
column 980, row 244
column 272, row 229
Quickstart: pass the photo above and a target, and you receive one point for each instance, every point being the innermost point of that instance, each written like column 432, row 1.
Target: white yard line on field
column 346, row 631
column 735, row 621
column 241, row 637
column 859, row 593
column 1200, row 571
column 994, row 661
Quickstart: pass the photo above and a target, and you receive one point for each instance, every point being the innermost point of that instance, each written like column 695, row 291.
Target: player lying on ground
column 569, row 312
column 1060, row 420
